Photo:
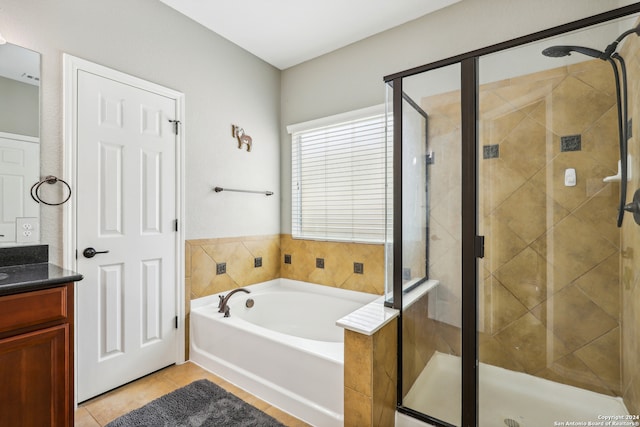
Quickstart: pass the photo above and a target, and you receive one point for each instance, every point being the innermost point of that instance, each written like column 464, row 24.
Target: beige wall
column 352, row 77
column 222, row 83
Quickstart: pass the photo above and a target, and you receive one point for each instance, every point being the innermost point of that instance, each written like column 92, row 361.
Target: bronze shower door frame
column 472, row 242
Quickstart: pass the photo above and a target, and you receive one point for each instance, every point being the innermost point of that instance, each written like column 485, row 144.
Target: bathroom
column 224, row 84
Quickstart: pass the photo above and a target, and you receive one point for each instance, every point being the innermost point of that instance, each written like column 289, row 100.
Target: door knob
column 90, row 252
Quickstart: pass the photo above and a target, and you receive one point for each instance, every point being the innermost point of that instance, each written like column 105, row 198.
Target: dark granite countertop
column 31, row 277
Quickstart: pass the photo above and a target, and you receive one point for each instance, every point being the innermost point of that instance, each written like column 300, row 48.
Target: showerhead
column 559, row 51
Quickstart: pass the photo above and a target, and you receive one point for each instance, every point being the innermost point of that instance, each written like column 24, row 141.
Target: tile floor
column 105, row 408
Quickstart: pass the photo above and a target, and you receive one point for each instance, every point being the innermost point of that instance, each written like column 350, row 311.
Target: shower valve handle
column 633, row 207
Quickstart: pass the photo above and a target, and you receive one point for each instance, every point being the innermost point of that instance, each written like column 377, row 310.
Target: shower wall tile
column 602, row 285
column 589, row 171
column 502, row 307
column 597, row 75
column 422, row 336
column 595, row 356
column 574, row 318
column 549, row 249
column 525, row 212
column 492, row 352
column 503, row 246
column 602, row 208
column 575, row 105
column 505, row 180
column 552, row 248
column 576, row 247
column 601, row 141
column 527, row 340
column 526, row 277
column 572, row 371
column 534, row 135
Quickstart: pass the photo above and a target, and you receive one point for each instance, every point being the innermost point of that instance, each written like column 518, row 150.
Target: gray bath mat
column 201, row 404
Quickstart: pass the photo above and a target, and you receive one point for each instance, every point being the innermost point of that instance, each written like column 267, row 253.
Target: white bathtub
column 286, row 349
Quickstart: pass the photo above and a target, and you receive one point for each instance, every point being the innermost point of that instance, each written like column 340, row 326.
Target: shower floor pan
column 508, row 398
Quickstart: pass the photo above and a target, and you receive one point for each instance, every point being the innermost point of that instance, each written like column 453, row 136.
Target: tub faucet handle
column 222, row 307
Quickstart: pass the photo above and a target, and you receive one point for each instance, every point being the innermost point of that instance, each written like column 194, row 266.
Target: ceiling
column 285, row 33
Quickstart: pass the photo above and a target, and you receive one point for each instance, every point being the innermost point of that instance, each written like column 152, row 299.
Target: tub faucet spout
column 222, row 306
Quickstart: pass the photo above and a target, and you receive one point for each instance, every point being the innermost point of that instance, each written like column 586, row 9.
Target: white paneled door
column 126, row 237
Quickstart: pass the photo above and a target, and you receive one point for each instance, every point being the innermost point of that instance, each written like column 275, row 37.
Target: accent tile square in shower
column 221, row 268
column 358, row 268
column 491, row 151
column 571, row 143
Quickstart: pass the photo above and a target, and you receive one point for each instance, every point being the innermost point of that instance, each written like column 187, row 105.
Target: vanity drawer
column 27, row 309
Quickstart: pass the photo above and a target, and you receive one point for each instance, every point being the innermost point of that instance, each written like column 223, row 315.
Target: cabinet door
column 33, row 374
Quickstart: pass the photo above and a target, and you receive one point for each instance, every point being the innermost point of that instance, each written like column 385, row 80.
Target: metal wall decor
column 49, row 179
column 243, row 139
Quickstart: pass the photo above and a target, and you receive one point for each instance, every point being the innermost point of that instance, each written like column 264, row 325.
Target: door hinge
column 479, row 246
column 175, row 322
column 176, row 125
column 175, row 225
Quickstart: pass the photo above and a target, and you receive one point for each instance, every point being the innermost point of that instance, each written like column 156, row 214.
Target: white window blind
column 338, row 181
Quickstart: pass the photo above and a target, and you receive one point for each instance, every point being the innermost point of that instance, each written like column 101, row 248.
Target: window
column 338, row 179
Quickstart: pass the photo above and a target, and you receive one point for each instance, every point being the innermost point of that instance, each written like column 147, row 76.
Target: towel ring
column 49, row 179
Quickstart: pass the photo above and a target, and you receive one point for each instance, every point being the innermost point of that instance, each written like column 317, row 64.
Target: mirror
column 19, row 144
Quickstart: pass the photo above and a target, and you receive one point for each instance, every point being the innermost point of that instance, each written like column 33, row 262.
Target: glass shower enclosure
column 514, row 174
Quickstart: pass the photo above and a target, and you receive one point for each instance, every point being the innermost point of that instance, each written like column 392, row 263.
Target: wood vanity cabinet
column 36, row 358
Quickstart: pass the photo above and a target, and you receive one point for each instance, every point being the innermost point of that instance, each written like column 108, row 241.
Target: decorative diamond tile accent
column 358, row 268
column 491, row 151
column 221, row 268
column 571, row 143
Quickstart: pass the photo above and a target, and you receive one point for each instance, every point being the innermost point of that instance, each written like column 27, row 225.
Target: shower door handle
column 90, row 252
